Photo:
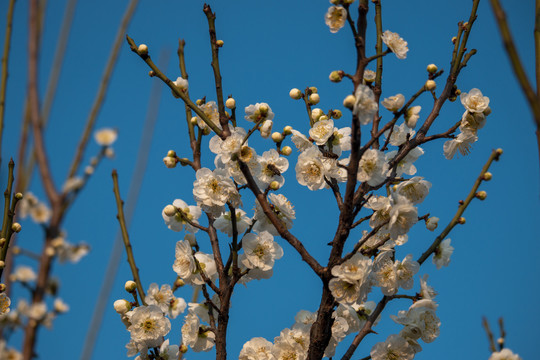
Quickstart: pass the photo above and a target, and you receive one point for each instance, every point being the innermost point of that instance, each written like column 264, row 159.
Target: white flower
column 272, row 166
column 73, row 183
column 394, row 348
column 384, row 273
column 148, row 325
column 426, row 291
column 209, row 109
column 310, row 170
column 321, row 131
column 231, row 145
column 305, row 318
column 260, row 251
column 122, row 306
column 194, row 336
column 504, row 354
column 365, row 105
column 369, row 75
column 282, row 207
column 415, row 189
column 23, row 274
column 181, row 83
column 463, row 143
column 352, row 280
column 405, row 166
column 406, row 269
column 335, row 18
column 394, row 103
column 420, row 321
column 105, row 136
column 442, row 254
column 177, row 222
column 372, row 167
column 213, row 189
column 168, row 352
column 266, row 128
column 257, row 349
column 60, row 306
column 300, row 140
column 291, row 344
column 176, row 307
column 224, row 222
column 258, row 112
column 403, row 216
column 411, row 116
column 472, row 122
column 184, row 263
column 160, row 297
column 474, row 101
column 40, row 213
column 395, row 43
column 400, row 134
column 207, row 265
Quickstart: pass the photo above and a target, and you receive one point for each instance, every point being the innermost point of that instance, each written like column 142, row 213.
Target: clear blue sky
column 271, row 47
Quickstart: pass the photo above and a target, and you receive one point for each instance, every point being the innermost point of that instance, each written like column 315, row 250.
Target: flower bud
column 169, row 210
column 109, row 152
column 230, row 103
column 206, row 131
column 454, row 39
column 314, row 99
column 16, row 227
column 122, row 306
column 461, row 220
column 286, row 150
column 287, row 130
column 18, row 196
column 60, row 306
column 432, row 68
column 313, row 89
column 487, row 176
column 432, row 223
column 295, row 94
column 316, row 114
column 199, row 102
column 274, row 185
column 499, row 151
column 170, row 162
column 183, row 349
column 277, row 137
column 2, row 287
column 263, row 109
column 193, row 120
column 487, row 111
column 336, row 114
column 49, row 251
column 219, row 43
column 151, row 73
column 336, row 76
column 2, row 241
column 482, row 195
column 430, row 85
column 179, row 283
column 2, row 264
column 266, row 128
column 89, row 170
column 142, row 49
column 349, row 101
column 130, row 286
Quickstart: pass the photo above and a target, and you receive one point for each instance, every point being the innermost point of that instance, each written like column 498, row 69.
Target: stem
column 5, row 57
column 125, row 237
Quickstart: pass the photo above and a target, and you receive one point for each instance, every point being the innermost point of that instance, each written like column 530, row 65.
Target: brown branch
column 5, row 57
column 491, row 339
column 495, row 154
column 100, row 97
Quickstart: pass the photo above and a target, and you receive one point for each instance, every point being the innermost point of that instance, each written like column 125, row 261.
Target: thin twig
column 491, row 339
column 5, row 58
column 125, row 236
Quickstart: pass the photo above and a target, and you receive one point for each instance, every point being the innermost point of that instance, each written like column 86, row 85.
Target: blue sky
column 271, row 47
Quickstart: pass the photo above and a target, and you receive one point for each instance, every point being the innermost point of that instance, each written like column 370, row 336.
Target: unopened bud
column 199, row 102
column 432, row 68
column 336, row 114
column 349, row 101
column 49, row 251
column 482, row 195
column 2, row 264
column 313, row 89
column 487, row 176
column 461, row 220
column 18, row 196
column 2, row 287
column 170, row 162
column 432, row 223
column 314, row 99
column 230, row 103
column 458, row 92
column 169, row 210
column 2, row 241
column 122, row 306
column 263, row 109
column 274, row 185
column 454, row 39
column 179, row 283
column 171, row 153
column 130, row 286
column 277, row 137
column 206, row 131
column 142, row 49
column 295, row 94
column 16, row 227
column 287, row 130
column 336, row 76
column 219, row 43
column 183, row 349
column 151, row 73
column 487, row 111
column 430, row 85
column 286, row 150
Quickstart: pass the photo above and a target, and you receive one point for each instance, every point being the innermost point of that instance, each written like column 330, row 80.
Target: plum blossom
column 395, row 347
column 321, row 131
column 474, row 101
column 213, row 189
column 442, row 254
column 195, row 336
column 148, row 325
column 260, row 251
column 394, row 103
column 365, row 105
column 177, row 221
column 395, row 43
column 159, row 297
column 352, row 279
column 258, row 112
column 504, row 354
column 335, row 18
column 282, row 207
column 257, row 349
column 224, row 222
column 420, row 321
column 372, row 167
